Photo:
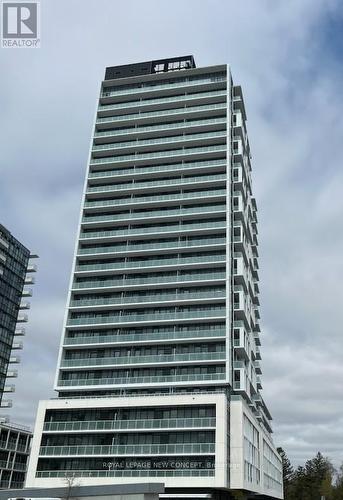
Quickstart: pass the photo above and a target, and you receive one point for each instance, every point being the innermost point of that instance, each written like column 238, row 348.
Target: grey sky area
column 287, row 55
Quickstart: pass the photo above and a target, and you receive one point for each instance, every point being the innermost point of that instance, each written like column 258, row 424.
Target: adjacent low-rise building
column 15, row 443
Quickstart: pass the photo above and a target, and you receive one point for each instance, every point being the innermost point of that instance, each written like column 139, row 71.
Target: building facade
column 159, row 374
column 16, row 270
column 15, row 442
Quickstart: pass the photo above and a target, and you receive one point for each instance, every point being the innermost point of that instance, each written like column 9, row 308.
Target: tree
column 338, row 488
column 314, row 480
column 288, row 473
column 71, row 483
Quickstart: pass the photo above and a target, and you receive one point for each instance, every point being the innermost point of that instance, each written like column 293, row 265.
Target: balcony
column 151, row 185
column 130, row 473
column 189, row 125
column 171, row 336
column 20, row 332
column 3, row 243
column 170, row 86
column 150, row 157
column 17, row 345
column 146, row 232
column 110, row 425
column 210, row 195
column 154, row 280
column 14, row 359
column 238, row 364
column 118, row 301
column 152, row 247
column 168, row 168
column 257, row 366
column 194, row 357
column 241, row 345
column 157, row 215
column 131, row 381
column 122, row 450
column 24, row 305
column 164, row 102
column 146, row 318
column 165, row 143
column 206, row 260
column 167, row 114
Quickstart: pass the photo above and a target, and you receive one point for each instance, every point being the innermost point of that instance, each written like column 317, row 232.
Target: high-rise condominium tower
column 159, row 370
column 15, row 273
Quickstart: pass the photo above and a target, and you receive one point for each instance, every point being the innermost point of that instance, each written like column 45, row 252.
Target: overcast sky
column 287, row 55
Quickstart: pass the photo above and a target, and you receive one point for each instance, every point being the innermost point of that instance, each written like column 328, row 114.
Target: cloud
column 286, row 57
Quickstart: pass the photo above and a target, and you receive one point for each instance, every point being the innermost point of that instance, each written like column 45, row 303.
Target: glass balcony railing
column 129, row 318
column 159, row 140
column 139, row 449
column 148, row 297
column 159, row 154
column 155, row 213
column 165, row 335
column 157, row 168
column 162, row 100
column 162, row 113
column 153, row 230
column 203, row 242
column 157, row 379
column 161, row 127
column 152, row 263
column 130, row 360
column 130, row 473
column 149, row 280
column 154, row 423
column 239, row 364
column 170, row 85
column 153, row 198
column 157, row 183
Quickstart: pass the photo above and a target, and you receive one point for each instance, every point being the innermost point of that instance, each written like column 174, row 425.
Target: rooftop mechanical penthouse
column 159, row 371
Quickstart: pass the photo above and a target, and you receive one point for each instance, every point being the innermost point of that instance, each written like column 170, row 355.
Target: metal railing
column 161, row 127
column 157, row 183
column 167, row 423
column 142, row 380
column 189, row 82
column 162, row 113
column 166, row 197
column 148, row 297
column 157, row 168
column 139, row 449
column 179, row 227
column 210, row 259
column 159, row 140
column 149, row 280
column 159, row 316
column 129, row 473
column 127, row 247
column 159, row 154
column 155, row 213
column 154, row 359
column 161, row 100
column 102, row 339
